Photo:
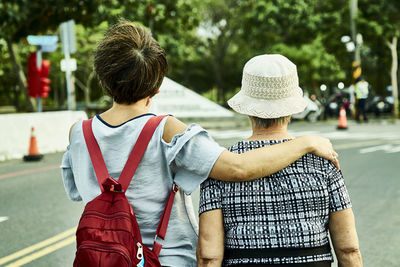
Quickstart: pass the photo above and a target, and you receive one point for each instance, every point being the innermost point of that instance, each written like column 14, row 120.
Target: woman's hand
column 322, row 147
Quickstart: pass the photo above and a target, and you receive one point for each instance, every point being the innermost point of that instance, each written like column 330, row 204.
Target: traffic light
column 356, row 71
column 33, row 76
column 44, row 87
column 38, row 83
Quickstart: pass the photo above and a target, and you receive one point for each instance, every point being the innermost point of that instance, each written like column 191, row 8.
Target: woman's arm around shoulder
column 344, row 238
column 267, row 160
column 210, row 246
column 258, row 162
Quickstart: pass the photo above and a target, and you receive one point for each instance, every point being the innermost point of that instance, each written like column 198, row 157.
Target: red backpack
column 108, row 233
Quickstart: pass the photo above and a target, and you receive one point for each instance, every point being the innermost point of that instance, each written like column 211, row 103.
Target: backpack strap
column 95, row 153
column 163, row 224
column 138, row 150
column 134, row 158
column 130, row 168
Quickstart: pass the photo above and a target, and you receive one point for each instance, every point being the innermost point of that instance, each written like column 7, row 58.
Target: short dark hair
column 130, row 64
column 266, row 123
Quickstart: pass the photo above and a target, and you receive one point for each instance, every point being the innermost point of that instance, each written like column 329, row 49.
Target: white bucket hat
column 270, row 88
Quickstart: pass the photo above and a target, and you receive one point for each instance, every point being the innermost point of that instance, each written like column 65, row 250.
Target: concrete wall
column 51, row 129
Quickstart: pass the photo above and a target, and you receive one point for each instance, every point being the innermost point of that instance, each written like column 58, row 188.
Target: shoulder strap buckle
column 175, row 188
column 110, row 185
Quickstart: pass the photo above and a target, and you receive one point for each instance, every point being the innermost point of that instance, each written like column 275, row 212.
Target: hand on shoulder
column 322, row 147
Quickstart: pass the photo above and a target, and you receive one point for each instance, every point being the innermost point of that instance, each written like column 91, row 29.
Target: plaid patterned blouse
column 286, row 210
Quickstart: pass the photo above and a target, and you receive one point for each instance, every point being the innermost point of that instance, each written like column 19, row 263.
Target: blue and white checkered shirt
column 289, row 209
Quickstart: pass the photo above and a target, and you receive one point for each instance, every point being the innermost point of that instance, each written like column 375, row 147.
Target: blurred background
column 207, row 43
column 47, row 83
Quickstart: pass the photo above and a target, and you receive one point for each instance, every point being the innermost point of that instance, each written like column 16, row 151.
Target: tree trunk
column 219, row 82
column 186, row 69
column 88, row 86
column 30, row 103
column 85, row 88
column 395, row 94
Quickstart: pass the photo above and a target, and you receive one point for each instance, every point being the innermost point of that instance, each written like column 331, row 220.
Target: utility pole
column 356, row 40
column 354, row 36
column 356, row 64
column 68, row 64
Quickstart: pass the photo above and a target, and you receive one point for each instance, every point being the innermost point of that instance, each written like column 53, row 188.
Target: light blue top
column 187, row 160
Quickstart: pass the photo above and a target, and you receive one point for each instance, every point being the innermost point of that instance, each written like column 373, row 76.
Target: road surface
column 37, row 221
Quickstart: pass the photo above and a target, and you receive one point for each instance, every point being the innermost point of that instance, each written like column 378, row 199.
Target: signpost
column 68, row 65
column 44, row 43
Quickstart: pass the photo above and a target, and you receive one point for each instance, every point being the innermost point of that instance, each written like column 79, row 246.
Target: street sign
column 42, row 39
column 49, row 48
column 68, row 40
column 68, row 64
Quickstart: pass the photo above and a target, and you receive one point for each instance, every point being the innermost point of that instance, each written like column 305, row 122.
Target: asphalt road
column 37, row 220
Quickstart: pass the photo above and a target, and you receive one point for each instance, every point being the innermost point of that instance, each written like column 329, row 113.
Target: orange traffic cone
column 33, row 154
column 342, row 124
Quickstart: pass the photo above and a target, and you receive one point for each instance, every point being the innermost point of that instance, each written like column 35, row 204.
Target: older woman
column 282, row 219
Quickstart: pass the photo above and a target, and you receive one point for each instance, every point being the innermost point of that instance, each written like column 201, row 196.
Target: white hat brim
column 267, row 108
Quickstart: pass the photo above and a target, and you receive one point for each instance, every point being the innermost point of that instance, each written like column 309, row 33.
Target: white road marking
column 334, row 135
column 394, row 149
column 2, row 219
column 388, row 148
column 226, row 134
column 46, row 247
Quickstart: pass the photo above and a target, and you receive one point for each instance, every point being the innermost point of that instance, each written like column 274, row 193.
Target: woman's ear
column 148, row 101
column 251, row 121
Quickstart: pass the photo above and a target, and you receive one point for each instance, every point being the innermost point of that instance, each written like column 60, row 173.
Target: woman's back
column 289, row 209
column 151, row 184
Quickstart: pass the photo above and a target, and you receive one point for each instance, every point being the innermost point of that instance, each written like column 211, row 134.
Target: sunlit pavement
column 37, row 220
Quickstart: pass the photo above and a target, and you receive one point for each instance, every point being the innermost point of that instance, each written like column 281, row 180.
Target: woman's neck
column 276, row 132
column 120, row 113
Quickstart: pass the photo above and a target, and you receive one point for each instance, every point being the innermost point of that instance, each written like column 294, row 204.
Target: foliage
column 314, row 65
column 23, row 17
column 379, row 21
column 207, row 41
column 302, row 30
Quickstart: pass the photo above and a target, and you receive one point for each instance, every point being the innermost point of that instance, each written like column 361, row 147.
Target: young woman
column 131, row 65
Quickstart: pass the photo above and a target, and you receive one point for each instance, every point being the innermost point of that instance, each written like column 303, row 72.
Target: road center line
column 12, row 174
column 42, row 252
column 37, row 246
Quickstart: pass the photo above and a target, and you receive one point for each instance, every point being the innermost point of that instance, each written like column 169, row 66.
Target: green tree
column 173, row 23
column 23, row 17
column 380, row 23
column 305, row 31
